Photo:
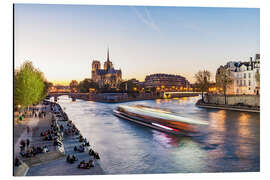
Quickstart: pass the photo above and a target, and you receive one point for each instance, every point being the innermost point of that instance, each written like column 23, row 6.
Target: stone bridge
column 74, row 96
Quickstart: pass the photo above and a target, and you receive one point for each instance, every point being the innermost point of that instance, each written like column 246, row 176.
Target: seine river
column 231, row 142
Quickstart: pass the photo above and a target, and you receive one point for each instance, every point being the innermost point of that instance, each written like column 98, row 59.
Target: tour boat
column 160, row 119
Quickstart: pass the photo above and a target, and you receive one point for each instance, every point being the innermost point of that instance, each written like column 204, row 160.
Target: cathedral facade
column 108, row 76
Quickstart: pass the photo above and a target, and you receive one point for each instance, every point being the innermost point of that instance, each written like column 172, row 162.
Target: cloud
column 146, row 18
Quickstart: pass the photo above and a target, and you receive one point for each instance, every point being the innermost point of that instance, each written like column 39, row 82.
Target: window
column 249, row 75
column 244, row 82
column 244, row 75
column 249, row 83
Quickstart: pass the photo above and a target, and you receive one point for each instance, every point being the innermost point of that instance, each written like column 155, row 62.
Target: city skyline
column 63, row 40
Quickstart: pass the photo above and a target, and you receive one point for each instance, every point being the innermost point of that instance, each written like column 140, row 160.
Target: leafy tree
column 257, row 78
column 73, row 85
column 47, row 86
column 128, row 86
column 203, row 81
column 29, row 85
column 223, row 80
column 86, row 84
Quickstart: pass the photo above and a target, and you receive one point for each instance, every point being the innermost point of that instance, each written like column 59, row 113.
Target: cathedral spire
column 108, row 57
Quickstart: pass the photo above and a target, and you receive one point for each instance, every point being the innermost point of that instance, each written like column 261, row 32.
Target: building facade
column 108, row 76
column 166, row 82
column 243, row 75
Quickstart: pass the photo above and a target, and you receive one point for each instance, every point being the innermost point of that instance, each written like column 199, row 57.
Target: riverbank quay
column 251, row 101
column 125, row 97
column 242, row 108
column 60, row 166
column 30, row 128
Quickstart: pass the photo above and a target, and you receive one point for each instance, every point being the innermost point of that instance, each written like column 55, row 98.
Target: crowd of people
column 53, row 134
column 56, row 133
column 27, row 150
column 31, row 151
column 71, row 130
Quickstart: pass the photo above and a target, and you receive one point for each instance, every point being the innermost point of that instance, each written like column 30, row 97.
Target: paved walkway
column 35, row 125
column 61, row 167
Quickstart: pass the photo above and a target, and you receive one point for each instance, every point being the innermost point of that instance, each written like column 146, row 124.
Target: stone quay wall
column 248, row 100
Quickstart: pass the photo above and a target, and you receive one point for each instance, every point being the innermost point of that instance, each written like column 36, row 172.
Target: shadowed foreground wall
column 250, row 100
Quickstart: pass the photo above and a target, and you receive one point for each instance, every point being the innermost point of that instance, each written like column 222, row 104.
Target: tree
column 257, row 78
column 47, row 86
column 128, row 86
column 73, row 85
column 203, row 81
column 29, row 85
column 223, row 80
column 86, row 84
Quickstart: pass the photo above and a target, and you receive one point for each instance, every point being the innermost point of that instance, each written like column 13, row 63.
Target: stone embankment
column 124, row 97
column 246, row 103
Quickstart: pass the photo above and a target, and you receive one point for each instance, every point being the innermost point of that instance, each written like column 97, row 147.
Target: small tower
column 95, row 66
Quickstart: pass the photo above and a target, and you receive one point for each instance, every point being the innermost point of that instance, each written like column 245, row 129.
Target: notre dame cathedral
column 107, row 76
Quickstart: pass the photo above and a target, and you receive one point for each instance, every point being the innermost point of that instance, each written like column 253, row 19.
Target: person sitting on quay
column 61, row 127
column 17, row 162
column 69, row 160
column 85, row 143
column 57, row 143
column 22, row 153
column 79, row 149
column 45, row 149
column 72, row 159
column 92, row 163
column 66, row 132
column 96, row 155
column 48, row 137
column 81, row 139
column 77, row 132
column 84, row 165
column 28, row 153
column 27, row 142
column 91, row 152
column 22, row 143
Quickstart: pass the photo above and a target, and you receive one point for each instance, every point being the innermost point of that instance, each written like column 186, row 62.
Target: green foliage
column 86, row 84
column 29, row 85
column 73, row 85
column 257, row 78
column 128, row 86
column 202, row 80
column 223, row 79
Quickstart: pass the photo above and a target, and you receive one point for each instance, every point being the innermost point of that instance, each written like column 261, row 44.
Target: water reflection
column 244, row 125
column 231, row 141
column 165, row 139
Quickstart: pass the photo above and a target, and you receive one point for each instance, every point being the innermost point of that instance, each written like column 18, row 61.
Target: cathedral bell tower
column 95, row 66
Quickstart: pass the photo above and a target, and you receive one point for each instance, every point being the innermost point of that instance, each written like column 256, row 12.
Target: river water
column 230, row 143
